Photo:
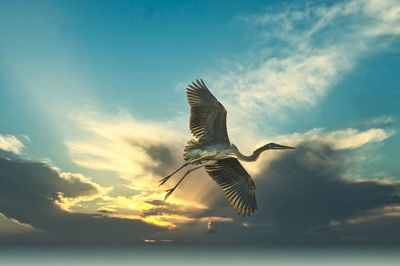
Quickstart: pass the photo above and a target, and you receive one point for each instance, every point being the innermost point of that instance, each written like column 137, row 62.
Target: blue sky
column 96, row 93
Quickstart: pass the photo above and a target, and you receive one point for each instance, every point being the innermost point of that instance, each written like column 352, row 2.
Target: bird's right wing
column 207, row 115
column 236, row 183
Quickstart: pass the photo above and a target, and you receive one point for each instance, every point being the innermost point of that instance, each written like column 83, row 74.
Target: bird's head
column 274, row 146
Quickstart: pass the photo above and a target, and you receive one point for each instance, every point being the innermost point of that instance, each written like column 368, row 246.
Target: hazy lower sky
column 93, row 112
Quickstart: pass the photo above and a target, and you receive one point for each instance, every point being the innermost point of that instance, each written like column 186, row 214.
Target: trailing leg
column 172, row 189
column 165, row 179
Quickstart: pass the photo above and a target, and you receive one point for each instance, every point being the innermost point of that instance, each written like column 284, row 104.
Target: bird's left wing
column 207, row 115
column 236, row 183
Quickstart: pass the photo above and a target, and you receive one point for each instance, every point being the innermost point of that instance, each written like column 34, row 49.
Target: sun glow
column 139, row 152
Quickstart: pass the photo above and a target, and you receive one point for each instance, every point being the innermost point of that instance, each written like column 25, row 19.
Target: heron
column 210, row 148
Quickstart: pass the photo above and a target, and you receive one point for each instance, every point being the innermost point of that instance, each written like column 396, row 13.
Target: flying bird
column 212, row 150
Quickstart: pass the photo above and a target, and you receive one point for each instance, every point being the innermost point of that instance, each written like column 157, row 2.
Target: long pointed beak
column 282, row 147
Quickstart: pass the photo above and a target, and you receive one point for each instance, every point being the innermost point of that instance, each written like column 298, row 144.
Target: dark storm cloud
column 162, row 154
column 306, row 188
column 28, row 191
column 303, row 199
column 380, row 230
column 301, row 193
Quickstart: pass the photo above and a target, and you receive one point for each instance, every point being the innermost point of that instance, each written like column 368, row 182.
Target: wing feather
column 207, row 115
column 236, row 183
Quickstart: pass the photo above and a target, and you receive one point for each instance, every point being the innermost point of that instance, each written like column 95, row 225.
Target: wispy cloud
column 349, row 138
column 11, row 144
column 379, row 121
column 318, row 44
column 342, row 139
column 126, row 146
column 140, row 153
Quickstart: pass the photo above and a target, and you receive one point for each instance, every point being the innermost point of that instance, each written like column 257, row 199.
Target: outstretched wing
column 207, row 115
column 236, row 183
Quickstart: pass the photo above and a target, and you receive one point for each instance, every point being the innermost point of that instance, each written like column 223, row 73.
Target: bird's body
column 198, row 154
column 212, row 150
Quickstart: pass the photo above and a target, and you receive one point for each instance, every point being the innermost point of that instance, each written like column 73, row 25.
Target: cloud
column 296, row 191
column 76, row 191
column 12, row 226
column 150, row 151
column 349, row 138
column 301, row 189
column 379, row 230
column 161, row 154
column 342, row 139
column 379, row 121
column 317, row 44
column 304, row 198
column 141, row 153
column 123, row 145
column 30, row 195
column 11, row 144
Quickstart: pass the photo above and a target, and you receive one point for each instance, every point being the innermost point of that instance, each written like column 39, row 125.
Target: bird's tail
column 192, row 144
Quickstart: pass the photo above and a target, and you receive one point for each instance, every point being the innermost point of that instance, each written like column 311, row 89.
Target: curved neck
column 252, row 157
